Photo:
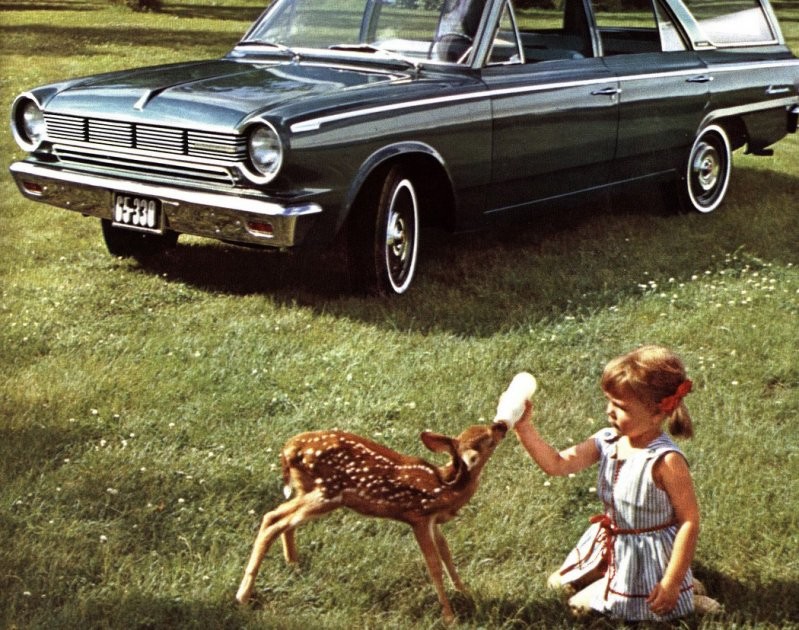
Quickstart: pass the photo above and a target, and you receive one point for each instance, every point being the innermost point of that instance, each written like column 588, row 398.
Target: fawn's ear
column 442, row 444
column 438, row 443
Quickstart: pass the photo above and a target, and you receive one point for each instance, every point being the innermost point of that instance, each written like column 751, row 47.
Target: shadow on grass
column 239, row 13
column 774, row 603
column 134, row 610
column 48, row 39
column 44, row 5
column 34, row 449
column 243, row 13
column 583, row 259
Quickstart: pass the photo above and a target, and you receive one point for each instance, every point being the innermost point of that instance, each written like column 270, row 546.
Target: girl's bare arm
column 549, row 459
column 672, row 475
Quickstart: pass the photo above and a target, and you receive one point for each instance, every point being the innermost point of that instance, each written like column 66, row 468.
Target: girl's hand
column 527, row 415
column 663, row 598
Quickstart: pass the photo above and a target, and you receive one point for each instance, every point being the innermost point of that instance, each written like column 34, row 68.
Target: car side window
column 636, row 26
column 536, row 34
column 733, row 22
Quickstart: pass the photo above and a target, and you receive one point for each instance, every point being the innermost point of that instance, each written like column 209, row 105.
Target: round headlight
column 265, row 150
column 29, row 126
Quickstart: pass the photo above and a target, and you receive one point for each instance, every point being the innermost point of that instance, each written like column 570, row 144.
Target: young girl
column 634, row 562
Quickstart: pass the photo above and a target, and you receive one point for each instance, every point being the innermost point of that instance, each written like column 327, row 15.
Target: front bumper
column 225, row 217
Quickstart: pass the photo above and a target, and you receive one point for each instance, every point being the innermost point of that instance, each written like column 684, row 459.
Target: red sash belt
column 610, row 532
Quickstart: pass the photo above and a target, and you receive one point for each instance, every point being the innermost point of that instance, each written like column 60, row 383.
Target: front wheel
column 384, row 236
column 707, row 173
column 130, row 243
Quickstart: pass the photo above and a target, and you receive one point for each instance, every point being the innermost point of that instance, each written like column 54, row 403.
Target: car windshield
column 438, row 30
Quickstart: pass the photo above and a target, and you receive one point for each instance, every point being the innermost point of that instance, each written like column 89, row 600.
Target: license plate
column 138, row 213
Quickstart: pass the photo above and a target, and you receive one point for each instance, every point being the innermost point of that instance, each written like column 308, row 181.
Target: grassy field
column 142, row 407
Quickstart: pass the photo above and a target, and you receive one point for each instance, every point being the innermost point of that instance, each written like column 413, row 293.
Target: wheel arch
column 732, row 124
column 424, row 165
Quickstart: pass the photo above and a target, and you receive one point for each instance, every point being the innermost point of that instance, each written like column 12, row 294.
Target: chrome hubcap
column 706, row 166
column 396, row 242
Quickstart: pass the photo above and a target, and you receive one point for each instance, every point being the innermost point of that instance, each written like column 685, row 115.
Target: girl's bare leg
column 580, row 604
column 556, row 583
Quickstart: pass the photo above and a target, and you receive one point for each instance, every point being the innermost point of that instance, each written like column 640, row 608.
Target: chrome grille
column 86, row 142
column 132, row 166
column 113, row 133
column 161, row 139
column 67, row 127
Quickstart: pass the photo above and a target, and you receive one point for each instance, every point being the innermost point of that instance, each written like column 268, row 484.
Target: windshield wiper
column 295, row 56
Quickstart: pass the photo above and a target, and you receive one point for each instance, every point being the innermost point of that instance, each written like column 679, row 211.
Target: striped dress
column 634, row 537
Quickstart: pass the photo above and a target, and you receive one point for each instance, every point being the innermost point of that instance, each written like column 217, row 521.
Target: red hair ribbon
column 670, row 403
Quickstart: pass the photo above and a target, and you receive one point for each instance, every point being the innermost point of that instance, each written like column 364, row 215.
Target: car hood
column 214, row 95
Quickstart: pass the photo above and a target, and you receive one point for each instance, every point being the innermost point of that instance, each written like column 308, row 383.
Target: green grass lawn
column 142, row 407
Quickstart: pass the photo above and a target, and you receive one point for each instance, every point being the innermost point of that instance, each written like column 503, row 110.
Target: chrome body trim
column 314, row 124
column 220, row 216
column 749, row 108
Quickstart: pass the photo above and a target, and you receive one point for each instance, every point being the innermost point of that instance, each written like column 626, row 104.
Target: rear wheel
column 130, row 243
column 384, row 236
column 708, row 170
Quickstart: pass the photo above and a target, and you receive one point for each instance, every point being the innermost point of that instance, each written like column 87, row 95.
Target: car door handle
column 700, row 78
column 771, row 90
column 608, row 91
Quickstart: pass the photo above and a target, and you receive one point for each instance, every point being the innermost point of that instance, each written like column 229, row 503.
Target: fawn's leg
column 425, row 536
column 289, row 515
column 289, row 546
column 446, row 556
column 270, row 527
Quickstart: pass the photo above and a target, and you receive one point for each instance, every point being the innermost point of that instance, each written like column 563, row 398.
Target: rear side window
column 635, row 26
column 733, row 22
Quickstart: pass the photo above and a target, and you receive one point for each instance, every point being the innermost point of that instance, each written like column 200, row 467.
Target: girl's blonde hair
column 654, row 375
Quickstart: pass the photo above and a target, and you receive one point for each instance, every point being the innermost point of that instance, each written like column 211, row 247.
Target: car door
column 554, row 109
column 664, row 87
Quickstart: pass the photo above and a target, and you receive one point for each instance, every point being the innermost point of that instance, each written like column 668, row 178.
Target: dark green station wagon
column 363, row 122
